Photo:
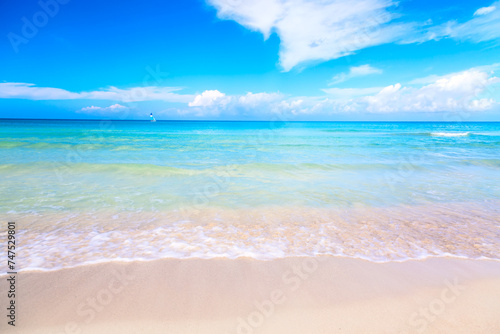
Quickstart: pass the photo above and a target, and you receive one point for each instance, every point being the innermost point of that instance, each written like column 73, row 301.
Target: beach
column 251, row 227
column 250, row 167
column 293, row 295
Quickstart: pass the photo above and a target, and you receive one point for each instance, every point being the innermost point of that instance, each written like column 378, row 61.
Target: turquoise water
column 92, row 191
column 92, row 165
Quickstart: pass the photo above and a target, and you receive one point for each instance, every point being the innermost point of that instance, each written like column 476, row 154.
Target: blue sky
column 251, row 59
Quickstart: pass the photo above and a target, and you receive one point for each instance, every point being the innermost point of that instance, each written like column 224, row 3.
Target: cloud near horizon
column 213, row 102
column 472, row 90
column 209, row 98
column 458, row 92
column 29, row 91
column 468, row 91
column 113, row 109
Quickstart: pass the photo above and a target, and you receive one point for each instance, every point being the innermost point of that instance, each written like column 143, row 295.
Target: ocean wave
column 374, row 234
column 450, row 134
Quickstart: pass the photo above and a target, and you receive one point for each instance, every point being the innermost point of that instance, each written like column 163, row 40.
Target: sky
column 315, row 60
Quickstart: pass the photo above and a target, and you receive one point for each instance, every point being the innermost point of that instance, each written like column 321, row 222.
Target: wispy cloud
column 487, row 69
column 484, row 10
column 16, row 90
column 348, row 93
column 355, row 71
column 317, row 30
column 113, row 109
column 483, row 26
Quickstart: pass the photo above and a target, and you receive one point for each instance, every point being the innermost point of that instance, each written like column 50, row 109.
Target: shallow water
column 299, row 188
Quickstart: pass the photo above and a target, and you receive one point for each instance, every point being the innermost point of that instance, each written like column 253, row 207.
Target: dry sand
column 295, row 295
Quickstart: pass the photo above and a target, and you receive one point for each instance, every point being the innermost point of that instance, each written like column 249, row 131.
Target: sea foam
column 466, row 230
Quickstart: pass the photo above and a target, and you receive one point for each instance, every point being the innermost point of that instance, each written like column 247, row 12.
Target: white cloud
column 115, row 108
column 251, row 100
column 483, row 26
column 472, row 90
column 484, row 10
column 209, row 98
column 312, row 31
column 258, row 15
column 475, row 89
column 433, row 77
column 213, row 102
column 461, row 91
column 214, row 98
column 469, row 91
column 19, row 90
column 316, row 30
column 293, row 106
column 355, row 71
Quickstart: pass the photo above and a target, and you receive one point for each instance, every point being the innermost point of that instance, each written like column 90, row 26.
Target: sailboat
column 152, row 118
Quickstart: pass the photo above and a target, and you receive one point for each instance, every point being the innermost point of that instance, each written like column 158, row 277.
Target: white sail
column 152, row 117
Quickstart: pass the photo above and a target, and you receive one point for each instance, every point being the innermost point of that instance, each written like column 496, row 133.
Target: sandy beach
column 250, row 167
column 292, row 295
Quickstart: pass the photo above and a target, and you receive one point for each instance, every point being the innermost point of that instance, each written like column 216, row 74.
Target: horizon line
column 215, row 120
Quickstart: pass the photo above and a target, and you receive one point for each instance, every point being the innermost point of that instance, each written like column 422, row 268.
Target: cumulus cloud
column 355, row 71
column 213, row 102
column 461, row 91
column 115, row 108
column 20, row 90
column 316, row 30
column 469, row 91
column 209, row 98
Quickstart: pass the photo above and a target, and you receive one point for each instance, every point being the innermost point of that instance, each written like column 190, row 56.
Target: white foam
column 450, row 134
column 378, row 235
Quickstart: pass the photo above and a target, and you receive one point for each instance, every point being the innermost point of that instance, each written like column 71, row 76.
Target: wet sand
column 292, row 295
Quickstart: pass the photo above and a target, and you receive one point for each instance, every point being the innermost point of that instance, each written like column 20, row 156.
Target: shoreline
column 246, row 258
column 380, row 234
column 293, row 295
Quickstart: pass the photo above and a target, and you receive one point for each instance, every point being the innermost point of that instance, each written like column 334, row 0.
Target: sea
column 84, row 192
